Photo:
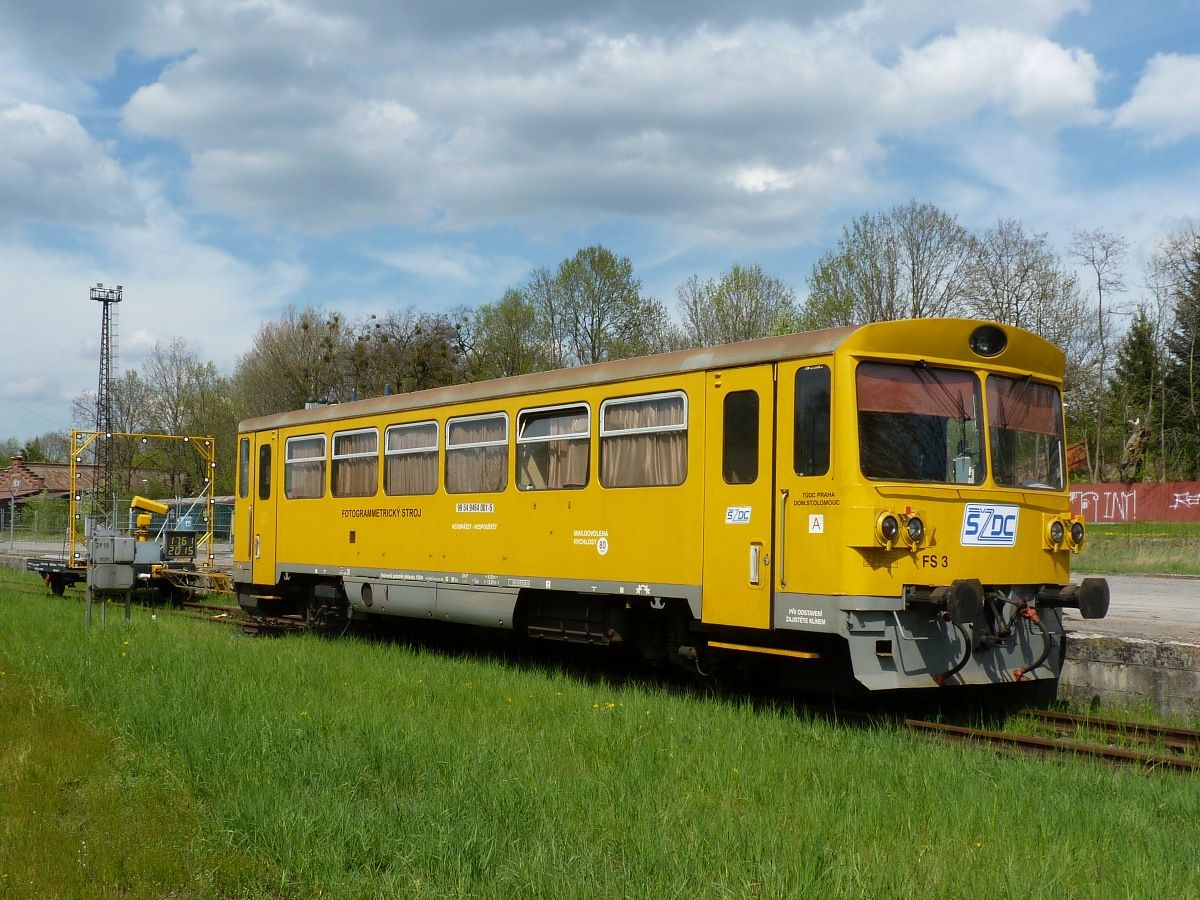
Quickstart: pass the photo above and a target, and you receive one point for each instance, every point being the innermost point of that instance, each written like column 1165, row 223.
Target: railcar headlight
column 988, row 340
column 887, row 528
column 1077, row 533
column 1057, row 532
column 916, row 529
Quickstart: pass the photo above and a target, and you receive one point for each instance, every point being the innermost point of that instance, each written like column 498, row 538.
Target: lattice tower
column 105, row 470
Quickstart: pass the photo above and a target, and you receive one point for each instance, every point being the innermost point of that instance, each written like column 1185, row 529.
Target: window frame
column 243, row 467
column 335, row 457
column 604, row 432
column 728, row 473
column 586, row 435
column 323, row 458
column 435, row 449
column 800, row 372
column 478, row 445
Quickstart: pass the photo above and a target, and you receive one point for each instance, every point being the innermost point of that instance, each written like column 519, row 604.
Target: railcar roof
column 909, row 333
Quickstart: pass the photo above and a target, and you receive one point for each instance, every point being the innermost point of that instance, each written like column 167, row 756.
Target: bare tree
column 910, row 262
column 293, row 360
column 1104, row 253
column 1017, row 278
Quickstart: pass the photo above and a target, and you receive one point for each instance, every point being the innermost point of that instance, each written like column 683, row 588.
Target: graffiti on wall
column 1172, row 501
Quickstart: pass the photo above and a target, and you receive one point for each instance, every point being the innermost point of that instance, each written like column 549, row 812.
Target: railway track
column 1143, row 732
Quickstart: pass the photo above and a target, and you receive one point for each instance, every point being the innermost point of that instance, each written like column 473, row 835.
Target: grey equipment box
column 110, row 576
column 108, row 548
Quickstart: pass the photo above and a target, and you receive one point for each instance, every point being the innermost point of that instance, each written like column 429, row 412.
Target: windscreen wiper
column 955, row 399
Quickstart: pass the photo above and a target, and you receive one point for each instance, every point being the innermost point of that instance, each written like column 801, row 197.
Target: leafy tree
column 1179, row 262
column 506, row 338
column 741, row 304
column 596, row 307
column 1133, row 388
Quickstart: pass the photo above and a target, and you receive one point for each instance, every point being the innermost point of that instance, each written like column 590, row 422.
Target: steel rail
column 1181, row 739
column 1028, row 743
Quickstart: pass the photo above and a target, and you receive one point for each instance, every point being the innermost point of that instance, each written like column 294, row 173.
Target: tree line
column 1133, row 373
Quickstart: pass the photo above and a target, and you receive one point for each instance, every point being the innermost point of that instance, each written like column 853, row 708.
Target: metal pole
column 12, row 512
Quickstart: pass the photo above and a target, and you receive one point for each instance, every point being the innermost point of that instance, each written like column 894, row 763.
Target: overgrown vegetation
column 352, row 768
column 1142, row 548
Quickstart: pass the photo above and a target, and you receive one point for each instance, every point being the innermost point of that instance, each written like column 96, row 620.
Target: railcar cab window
column 811, row 435
column 1025, row 430
column 739, row 438
column 264, row 472
column 477, row 454
column 919, row 423
column 244, row 468
column 304, row 467
column 553, row 447
column 411, row 459
column 355, row 466
column 643, row 440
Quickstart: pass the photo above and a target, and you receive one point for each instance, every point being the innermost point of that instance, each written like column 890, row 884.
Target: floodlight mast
column 105, row 471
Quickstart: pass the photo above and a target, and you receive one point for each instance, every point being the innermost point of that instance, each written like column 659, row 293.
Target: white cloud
column 1034, row 79
column 1165, row 106
column 53, row 170
column 442, row 263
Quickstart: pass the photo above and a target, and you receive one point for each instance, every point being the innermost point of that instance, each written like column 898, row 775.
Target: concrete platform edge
column 1132, row 672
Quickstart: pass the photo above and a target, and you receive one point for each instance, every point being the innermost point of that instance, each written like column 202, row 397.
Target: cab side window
column 811, row 453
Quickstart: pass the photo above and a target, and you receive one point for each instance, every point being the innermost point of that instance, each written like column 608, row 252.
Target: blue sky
column 222, row 160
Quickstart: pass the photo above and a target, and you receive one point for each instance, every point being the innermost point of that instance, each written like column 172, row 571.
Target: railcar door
column 263, row 497
column 808, row 500
column 738, row 496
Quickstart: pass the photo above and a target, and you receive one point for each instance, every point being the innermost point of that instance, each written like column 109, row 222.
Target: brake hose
column 1030, row 613
column 940, row 680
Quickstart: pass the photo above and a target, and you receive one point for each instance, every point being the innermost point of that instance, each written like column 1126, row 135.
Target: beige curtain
column 358, row 475
column 477, row 469
column 554, row 464
column 411, row 465
column 304, row 469
column 650, row 457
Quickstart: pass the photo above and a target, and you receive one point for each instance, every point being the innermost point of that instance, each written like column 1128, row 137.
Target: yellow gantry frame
column 205, row 445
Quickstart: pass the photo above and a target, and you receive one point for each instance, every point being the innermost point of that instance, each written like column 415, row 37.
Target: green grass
column 346, row 768
column 1141, row 548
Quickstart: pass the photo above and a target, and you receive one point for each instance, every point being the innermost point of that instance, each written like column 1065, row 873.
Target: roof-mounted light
column 988, row 340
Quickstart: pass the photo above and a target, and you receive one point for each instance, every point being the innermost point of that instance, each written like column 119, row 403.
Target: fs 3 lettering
column 987, row 525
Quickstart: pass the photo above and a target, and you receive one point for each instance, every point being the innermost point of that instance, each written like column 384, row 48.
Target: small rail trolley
column 882, row 507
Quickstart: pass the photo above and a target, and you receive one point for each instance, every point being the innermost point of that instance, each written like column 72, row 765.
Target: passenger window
column 264, row 472
column 356, row 463
column 411, row 459
column 477, row 454
column 244, row 468
column 739, row 440
column 553, row 445
column 304, row 468
column 643, row 441
column 811, row 448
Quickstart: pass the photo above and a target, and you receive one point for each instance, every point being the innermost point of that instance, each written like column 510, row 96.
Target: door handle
column 756, row 563
column 781, row 551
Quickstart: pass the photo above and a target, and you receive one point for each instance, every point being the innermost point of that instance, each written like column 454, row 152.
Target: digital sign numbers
column 180, row 544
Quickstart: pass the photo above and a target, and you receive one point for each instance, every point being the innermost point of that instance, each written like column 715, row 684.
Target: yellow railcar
column 885, row 503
